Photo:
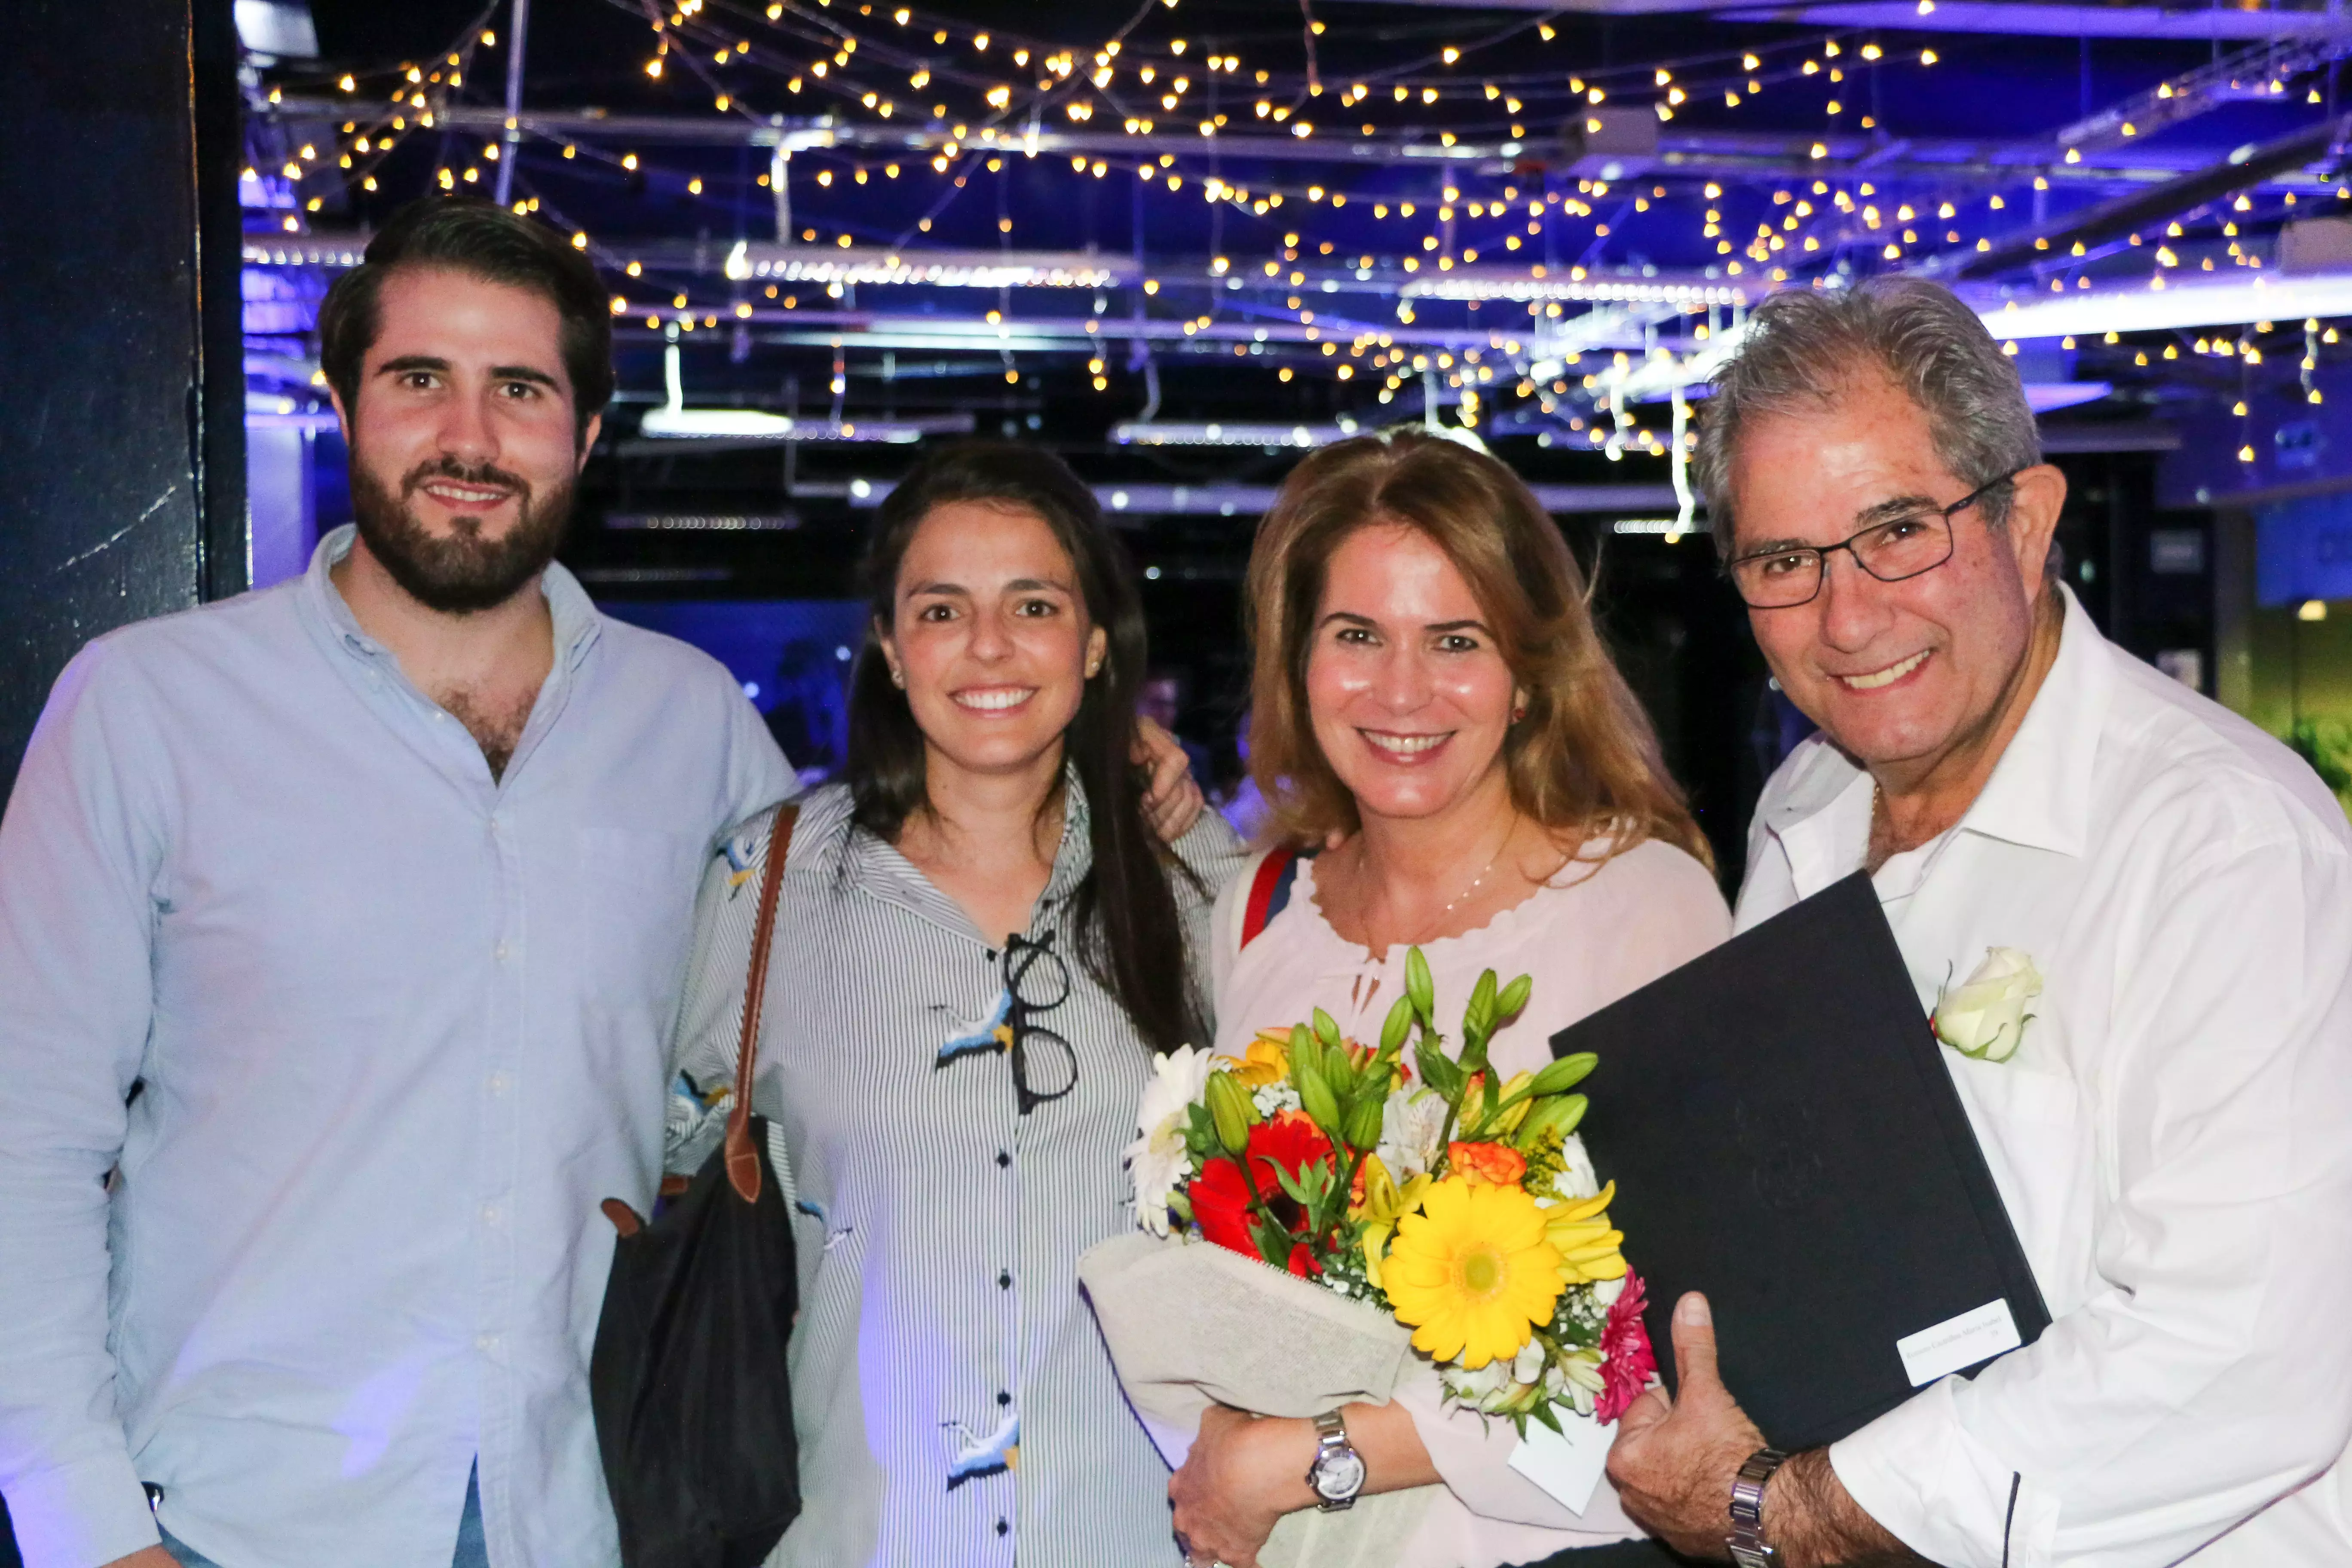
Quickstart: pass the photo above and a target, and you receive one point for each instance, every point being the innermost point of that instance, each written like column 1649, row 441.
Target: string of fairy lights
column 970, row 99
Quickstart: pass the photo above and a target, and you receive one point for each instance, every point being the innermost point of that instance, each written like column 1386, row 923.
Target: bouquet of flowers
column 1319, row 1214
column 1418, row 1183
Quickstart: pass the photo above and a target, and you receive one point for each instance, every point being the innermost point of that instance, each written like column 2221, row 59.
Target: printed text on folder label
column 1973, row 1336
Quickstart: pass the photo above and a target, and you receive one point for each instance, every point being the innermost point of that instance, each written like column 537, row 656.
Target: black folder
column 1784, row 1137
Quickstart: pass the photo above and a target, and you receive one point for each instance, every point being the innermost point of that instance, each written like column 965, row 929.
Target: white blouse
column 1593, row 935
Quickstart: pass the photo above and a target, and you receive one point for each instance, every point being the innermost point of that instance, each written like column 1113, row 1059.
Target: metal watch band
column 1748, row 1547
column 1331, row 1440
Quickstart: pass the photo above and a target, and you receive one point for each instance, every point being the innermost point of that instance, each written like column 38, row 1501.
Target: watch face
column 1339, row 1473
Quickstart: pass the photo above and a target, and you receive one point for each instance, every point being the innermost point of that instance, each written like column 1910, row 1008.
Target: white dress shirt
column 2173, row 1140
column 397, row 1027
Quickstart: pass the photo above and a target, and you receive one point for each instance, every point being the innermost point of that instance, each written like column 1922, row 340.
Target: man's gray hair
column 1806, row 347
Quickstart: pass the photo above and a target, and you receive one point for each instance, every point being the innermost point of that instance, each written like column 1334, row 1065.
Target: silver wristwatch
column 1338, row 1473
column 1748, row 1547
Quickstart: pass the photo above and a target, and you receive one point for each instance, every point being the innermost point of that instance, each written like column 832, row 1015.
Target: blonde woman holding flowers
column 1433, row 712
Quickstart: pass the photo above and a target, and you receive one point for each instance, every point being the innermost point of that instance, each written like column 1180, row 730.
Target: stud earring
column 898, row 678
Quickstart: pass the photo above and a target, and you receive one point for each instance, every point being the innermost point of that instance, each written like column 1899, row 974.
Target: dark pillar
column 122, row 414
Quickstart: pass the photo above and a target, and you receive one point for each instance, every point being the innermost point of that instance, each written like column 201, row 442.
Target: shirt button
column 1002, row 1158
column 500, row 1083
column 503, row 952
column 1004, row 1281
column 1002, row 1527
column 486, row 1342
column 1003, row 1397
column 489, row 1214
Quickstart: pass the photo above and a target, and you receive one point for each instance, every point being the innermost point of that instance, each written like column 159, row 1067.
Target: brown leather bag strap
column 742, row 1159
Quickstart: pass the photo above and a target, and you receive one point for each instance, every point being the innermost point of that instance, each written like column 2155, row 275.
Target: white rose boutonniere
column 1986, row 1017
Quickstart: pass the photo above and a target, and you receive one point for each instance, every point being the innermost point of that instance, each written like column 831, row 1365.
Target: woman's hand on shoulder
column 1173, row 802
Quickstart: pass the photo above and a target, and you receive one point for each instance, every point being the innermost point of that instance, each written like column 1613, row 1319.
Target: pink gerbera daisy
column 1627, row 1363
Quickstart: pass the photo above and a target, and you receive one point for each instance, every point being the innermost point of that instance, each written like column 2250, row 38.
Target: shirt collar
column 576, row 619
column 2039, row 796
column 2040, row 793
column 878, row 867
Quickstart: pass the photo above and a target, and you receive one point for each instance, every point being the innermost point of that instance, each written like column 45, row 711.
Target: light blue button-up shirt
column 369, row 1035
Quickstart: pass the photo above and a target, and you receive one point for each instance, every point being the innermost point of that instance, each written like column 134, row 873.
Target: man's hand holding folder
column 1674, row 1452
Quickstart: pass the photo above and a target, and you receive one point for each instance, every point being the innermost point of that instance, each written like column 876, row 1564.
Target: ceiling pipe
column 2115, row 219
column 1740, row 154
column 1951, row 16
column 518, row 31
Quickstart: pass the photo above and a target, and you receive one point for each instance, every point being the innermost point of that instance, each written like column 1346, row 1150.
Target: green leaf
column 1438, row 1071
column 1200, row 1132
column 1273, row 1242
column 1543, row 1413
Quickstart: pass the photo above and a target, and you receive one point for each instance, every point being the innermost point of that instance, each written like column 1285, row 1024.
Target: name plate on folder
column 1785, row 1137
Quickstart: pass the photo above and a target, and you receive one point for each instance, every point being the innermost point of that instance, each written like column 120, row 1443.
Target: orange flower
column 1497, row 1163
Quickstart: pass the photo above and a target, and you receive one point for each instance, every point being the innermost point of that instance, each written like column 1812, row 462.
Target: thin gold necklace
column 1455, row 902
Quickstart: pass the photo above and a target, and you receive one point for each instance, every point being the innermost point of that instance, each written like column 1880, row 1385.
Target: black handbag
column 689, row 1377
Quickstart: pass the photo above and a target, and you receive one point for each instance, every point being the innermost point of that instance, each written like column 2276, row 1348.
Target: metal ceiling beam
column 2114, row 219
column 1740, row 154
column 817, row 267
column 2259, row 73
column 911, row 330
column 1956, row 16
column 2199, row 25
column 1252, row 501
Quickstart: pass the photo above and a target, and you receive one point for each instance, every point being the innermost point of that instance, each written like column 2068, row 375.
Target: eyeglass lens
column 1900, row 548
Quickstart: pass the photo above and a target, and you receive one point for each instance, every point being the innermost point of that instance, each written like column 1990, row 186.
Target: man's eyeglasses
column 1036, row 981
column 1901, row 547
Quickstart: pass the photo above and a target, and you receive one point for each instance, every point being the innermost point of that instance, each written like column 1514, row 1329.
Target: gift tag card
column 1956, row 1343
column 1567, row 1463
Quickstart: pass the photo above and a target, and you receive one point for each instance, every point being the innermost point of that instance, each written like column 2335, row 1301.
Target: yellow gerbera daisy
column 1472, row 1272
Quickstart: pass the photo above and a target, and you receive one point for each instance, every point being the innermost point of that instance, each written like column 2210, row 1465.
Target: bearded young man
column 342, row 922
column 2172, row 1131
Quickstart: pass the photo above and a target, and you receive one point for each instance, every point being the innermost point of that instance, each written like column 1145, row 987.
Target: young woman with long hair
column 983, row 939
column 1452, row 762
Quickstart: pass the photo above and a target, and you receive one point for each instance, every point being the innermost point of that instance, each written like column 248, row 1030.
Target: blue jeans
column 472, row 1551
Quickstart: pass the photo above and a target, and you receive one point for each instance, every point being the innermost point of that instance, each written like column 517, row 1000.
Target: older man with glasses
column 2131, row 913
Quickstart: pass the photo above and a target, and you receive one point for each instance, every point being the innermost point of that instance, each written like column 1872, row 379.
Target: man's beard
column 465, row 572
